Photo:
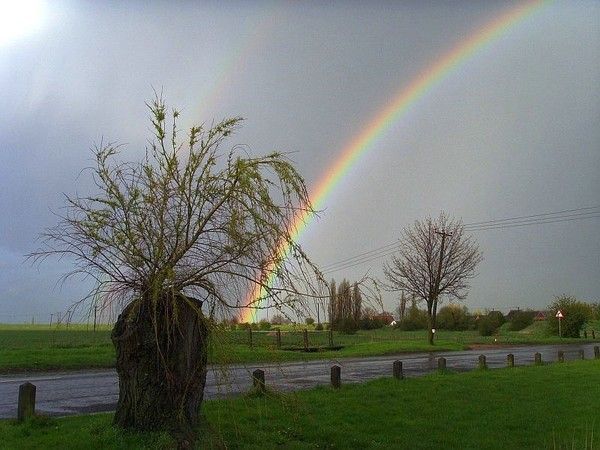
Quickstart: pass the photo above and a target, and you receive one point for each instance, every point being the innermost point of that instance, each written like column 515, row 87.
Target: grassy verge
column 44, row 348
column 550, row 406
column 238, row 353
column 103, row 356
column 31, row 348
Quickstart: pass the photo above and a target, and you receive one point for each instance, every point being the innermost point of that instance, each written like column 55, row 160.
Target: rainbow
column 233, row 63
column 390, row 114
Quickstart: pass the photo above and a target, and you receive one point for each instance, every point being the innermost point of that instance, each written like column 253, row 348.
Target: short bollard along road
column 65, row 393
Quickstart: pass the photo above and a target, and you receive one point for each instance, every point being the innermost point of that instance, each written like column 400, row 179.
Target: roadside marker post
column 397, row 370
column 258, row 381
column 482, row 364
column 336, row 377
column 510, row 360
column 442, row 364
column 560, row 315
column 26, row 405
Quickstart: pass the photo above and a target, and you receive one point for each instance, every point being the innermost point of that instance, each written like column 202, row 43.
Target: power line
column 534, row 215
column 540, row 222
column 511, row 222
column 530, row 219
column 359, row 262
column 360, row 256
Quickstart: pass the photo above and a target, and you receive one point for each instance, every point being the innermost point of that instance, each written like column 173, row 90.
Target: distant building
column 384, row 317
column 537, row 315
column 511, row 313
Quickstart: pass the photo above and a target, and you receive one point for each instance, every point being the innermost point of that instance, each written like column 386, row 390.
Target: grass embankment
column 26, row 347
column 551, row 406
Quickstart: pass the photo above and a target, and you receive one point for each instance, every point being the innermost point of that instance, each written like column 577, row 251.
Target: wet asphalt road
column 66, row 393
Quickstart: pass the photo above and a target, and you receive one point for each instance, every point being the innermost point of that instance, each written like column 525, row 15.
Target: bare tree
column 179, row 239
column 436, row 258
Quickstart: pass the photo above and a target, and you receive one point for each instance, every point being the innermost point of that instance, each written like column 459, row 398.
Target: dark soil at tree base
column 161, row 364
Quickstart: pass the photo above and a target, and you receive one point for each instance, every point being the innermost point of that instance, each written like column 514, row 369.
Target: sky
column 513, row 130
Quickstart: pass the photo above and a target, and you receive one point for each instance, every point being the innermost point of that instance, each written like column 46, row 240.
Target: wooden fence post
column 482, row 362
column 26, row 406
column 510, row 360
column 258, row 380
column 305, row 335
column 278, row 338
column 537, row 359
column 596, row 352
column 581, row 354
column 250, row 337
column 397, row 370
column 330, row 337
column 561, row 356
column 441, row 363
column 336, row 376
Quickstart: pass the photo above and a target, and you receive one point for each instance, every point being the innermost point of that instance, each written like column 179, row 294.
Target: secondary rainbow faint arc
column 387, row 116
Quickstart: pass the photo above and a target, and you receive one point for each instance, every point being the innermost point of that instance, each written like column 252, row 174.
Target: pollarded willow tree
column 176, row 239
column 436, row 258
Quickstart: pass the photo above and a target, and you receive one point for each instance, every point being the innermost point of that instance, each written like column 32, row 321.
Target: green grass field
column 552, row 406
column 38, row 347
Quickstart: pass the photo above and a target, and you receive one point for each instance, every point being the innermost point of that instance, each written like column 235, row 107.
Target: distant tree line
column 454, row 317
column 348, row 313
column 345, row 306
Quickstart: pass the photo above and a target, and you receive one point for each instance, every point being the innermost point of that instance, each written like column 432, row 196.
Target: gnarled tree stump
column 161, row 364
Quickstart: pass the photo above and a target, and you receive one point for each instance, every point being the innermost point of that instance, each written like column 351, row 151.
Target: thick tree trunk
column 430, row 331
column 430, row 324
column 161, row 363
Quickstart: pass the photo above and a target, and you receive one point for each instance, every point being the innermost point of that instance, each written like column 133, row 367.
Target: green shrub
column 371, row 323
column 575, row 314
column 487, row 325
column 595, row 310
column 309, row 321
column 521, row 320
column 453, row 317
column 497, row 319
column 415, row 319
column 346, row 326
column 264, row 325
column 319, row 327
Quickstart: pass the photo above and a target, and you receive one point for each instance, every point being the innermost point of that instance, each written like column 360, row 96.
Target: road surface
column 66, row 393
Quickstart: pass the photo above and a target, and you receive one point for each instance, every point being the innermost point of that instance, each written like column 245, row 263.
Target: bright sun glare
column 19, row 18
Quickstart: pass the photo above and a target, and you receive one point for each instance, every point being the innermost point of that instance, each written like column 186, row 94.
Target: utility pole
column 438, row 280
column 95, row 311
column 439, row 271
column 318, row 316
column 402, row 308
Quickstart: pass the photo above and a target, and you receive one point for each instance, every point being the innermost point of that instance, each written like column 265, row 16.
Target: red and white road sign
column 559, row 314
